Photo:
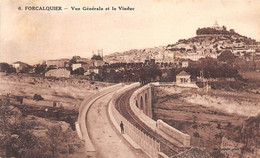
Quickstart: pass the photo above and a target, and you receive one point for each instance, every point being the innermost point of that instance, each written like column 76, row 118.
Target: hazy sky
column 32, row 36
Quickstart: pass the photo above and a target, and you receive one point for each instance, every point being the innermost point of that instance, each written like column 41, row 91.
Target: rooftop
column 183, row 73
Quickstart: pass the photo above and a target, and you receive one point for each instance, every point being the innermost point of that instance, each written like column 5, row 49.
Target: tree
column 232, row 30
column 74, row 59
column 5, row 126
column 149, row 73
column 15, row 139
column 4, row 67
column 56, row 140
column 96, row 57
column 37, row 97
column 28, row 145
column 226, row 56
column 194, row 48
column 40, row 68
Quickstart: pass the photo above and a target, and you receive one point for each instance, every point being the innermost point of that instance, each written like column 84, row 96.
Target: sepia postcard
column 130, row 78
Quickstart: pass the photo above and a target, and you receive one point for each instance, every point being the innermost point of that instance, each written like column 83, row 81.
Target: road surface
column 108, row 142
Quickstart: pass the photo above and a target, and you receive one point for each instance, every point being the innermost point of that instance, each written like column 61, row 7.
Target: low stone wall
column 174, row 134
column 41, row 103
column 150, row 146
column 78, row 130
column 187, row 85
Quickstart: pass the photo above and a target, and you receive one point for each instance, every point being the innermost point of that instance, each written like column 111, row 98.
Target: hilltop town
column 218, row 67
column 209, row 42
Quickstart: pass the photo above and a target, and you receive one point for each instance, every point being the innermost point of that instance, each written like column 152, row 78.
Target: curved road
column 106, row 139
column 123, row 106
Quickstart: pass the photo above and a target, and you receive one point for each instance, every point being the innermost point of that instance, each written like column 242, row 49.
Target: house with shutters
column 183, row 78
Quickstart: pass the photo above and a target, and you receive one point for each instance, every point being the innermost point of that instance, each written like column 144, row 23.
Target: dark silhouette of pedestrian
column 122, row 127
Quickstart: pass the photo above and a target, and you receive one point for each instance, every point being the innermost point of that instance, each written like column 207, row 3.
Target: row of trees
column 211, row 68
column 146, row 73
column 222, row 67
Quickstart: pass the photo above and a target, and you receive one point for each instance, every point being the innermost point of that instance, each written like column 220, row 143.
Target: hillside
column 209, row 42
column 215, row 120
column 43, row 112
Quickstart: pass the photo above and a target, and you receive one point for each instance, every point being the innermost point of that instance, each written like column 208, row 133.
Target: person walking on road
column 122, row 127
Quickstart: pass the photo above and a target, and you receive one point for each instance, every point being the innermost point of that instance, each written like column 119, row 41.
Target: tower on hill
column 217, row 27
column 216, row 24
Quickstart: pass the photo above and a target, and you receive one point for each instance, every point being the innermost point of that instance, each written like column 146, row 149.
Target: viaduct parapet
column 141, row 105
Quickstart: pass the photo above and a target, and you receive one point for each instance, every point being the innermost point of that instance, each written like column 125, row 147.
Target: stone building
column 183, row 77
column 58, row 63
column 184, row 64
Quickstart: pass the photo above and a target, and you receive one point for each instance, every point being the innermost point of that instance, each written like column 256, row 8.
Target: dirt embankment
column 57, row 108
column 209, row 118
column 65, row 92
column 239, row 103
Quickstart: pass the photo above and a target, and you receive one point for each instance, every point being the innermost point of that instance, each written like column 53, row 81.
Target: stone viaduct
column 141, row 105
column 143, row 100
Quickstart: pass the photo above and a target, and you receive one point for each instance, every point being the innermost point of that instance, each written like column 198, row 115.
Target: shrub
column 217, row 154
column 20, row 99
column 229, row 124
column 219, row 126
column 196, row 134
column 218, row 136
column 37, row 97
column 54, row 104
column 194, row 126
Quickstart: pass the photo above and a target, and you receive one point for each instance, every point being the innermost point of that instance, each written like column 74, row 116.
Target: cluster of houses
column 96, row 66
column 159, row 54
column 194, row 48
column 59, row 67
column 64, row 67
column 203, row 46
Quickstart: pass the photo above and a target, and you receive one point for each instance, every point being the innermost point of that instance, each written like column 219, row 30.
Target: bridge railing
column 171, row 134
column 182, row 138
column 148, row 144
